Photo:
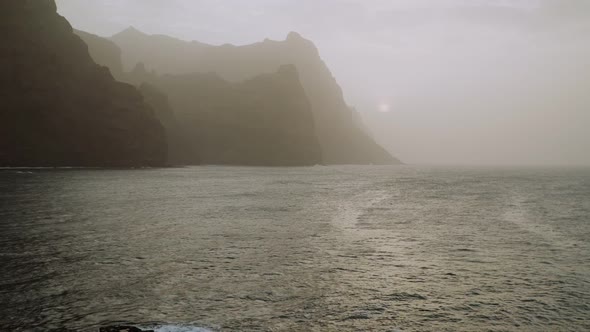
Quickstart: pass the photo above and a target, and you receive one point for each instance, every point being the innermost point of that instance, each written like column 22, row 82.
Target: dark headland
column 59, row 108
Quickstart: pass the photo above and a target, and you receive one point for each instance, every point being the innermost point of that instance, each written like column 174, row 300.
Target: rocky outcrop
column 59, row 108
column 264, row 121
column 122, row 328
column 343, row 141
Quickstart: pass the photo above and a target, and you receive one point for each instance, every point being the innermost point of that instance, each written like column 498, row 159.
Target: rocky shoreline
column 122, row 329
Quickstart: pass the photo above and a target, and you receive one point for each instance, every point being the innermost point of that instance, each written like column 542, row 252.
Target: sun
column 384, row 108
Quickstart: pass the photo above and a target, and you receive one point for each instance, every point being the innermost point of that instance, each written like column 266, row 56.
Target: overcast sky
column 437, row 81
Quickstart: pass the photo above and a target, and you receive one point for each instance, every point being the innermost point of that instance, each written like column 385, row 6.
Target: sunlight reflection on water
column 320, row 249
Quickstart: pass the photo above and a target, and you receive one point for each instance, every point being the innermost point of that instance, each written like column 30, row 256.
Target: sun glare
column 384, row 108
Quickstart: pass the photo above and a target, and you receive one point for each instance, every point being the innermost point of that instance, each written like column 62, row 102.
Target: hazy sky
column 437, row 81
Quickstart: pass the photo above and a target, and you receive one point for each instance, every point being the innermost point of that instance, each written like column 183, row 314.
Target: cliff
column 264, row 121
column 59, row 108
column 180, row 149
column 104, row 52
column 343, row 141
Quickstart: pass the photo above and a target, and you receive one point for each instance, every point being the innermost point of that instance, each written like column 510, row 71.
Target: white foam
column 351, row 210
column 176, row 328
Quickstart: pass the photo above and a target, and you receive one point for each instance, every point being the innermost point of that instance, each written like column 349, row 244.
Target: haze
column 437, row 82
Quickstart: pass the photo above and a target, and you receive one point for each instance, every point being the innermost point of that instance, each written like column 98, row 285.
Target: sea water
column 344, row 248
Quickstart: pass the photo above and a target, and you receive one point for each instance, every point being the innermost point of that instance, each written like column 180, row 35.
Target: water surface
column 296, row 249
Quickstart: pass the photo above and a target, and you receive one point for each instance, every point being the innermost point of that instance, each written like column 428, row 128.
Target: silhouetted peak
column 294, row 36
column 130, row 31
column 296, row 40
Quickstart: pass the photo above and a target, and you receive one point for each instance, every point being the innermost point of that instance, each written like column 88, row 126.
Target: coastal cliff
column 264, row 121
column 342, row 139
column 59, row 108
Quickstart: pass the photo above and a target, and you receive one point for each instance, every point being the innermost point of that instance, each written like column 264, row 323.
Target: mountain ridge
column 343, row 141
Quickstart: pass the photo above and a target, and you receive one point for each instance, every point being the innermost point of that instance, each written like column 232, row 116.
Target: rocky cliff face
column 266, row 120
column 104, row 52
column 343, row 141
column 180, row 149
column 59, row 108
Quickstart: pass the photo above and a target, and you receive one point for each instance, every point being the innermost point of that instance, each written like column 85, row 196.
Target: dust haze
column 437, row 82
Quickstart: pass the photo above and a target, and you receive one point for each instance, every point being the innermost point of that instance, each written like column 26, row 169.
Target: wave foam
column 176, row 328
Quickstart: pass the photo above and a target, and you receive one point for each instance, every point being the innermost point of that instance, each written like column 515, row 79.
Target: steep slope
column 342, row 140
column 104, row 52
column 59, row 108
column 180, row 149
column 266, row 120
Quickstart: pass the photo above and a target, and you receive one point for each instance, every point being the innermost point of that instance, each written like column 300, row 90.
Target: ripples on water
column 296, row 249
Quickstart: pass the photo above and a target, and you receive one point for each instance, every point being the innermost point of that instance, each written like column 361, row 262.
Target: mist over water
column 463, row 82
column 110, row 220
column 302, row 249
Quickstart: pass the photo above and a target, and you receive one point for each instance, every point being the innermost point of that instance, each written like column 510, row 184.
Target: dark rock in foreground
column 122, row 329
column 58, row 107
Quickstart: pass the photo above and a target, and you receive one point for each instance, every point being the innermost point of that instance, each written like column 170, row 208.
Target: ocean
column 342, row 248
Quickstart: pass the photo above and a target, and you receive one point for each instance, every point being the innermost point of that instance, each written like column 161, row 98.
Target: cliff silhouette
column 59, row 108
column 265, row 120
column 104, row 52
column 342, row 138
